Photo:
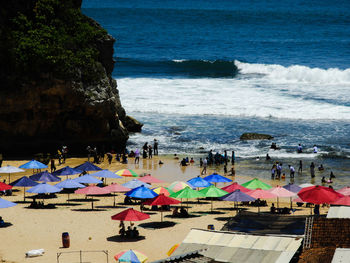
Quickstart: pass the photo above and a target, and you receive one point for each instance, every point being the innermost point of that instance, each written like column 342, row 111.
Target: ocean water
column 198, row 74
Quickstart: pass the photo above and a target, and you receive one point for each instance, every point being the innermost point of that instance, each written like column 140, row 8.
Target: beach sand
column 94, row 230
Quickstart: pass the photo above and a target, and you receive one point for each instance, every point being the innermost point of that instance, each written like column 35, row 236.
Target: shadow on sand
column 118, row 238
column 88, row 210
column 157, row 225
column 6, row 224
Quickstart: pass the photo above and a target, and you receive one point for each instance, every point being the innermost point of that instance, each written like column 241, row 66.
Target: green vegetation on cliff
column 48, row 37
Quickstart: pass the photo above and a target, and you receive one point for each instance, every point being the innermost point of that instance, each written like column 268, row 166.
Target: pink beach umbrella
column 342, row 201
column 344, row 191
column 150, row 179
column 262, row 194
column 92, row 190
column 116, row 188
column 178, row 185
column 281, row 192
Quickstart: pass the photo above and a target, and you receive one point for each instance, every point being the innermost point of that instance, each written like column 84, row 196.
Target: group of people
column 131, row 231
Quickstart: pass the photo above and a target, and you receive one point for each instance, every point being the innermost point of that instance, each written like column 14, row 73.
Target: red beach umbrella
column 342, row 201
column 4, row 186
column 92, row 190
column 319, row 195
column 161, row 200
column 130, row 215
column 150, row 179
column 235, row 186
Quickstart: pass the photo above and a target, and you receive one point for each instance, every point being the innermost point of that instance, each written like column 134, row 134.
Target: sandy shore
column 94, row 230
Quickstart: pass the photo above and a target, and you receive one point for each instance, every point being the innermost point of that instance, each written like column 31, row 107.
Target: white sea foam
column 295, row 92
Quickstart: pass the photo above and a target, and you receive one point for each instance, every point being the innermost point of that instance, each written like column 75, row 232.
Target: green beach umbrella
column 256, row 183
column 187, row 193
column 213, row 191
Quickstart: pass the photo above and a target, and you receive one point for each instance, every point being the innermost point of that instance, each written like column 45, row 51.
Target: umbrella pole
column 92, row 203
column 161, row 215
column 24, row 194
column 114, row 200
column 211, row 204
column 68, row 197
column 278, row 203
column 9, row 178
column 291, row 203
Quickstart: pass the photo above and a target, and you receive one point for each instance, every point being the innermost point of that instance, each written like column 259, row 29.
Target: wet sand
column 95, row 231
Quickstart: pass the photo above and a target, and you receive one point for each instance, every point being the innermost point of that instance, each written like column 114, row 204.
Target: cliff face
column 57, row 89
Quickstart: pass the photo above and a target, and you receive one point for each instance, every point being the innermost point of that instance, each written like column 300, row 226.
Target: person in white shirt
column 315, row 149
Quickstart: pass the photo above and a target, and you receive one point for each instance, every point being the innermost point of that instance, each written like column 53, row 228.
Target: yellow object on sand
column 172, row 249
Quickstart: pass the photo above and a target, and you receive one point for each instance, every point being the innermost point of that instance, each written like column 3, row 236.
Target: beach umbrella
column 130, row 215
column 306, row 185
column 161, row 200
column 292, row 187
column 92, row 190
column 163, row 190
column 235, row 186
column 127, row 173
column 238, row 196
column 217, row 178
column 187, row 193
column 178, row 185
column 87, row 179
column 33, row 164
column 345, row 200
column 87, row 166
column 319, row 195
column 43, row 188
column 134, row 183
column 130, row 255
column 261, row 193
column 24, row 182
column 281, row 192
column 213, row 191
column 5, row 204
column 69, row 184
column 10, row 170
column 141, row 192
column 116, row 188
column 4, row 187
column 344, row 190
column 255, row 184
column 150, row 179
column 199, row 182
column 66, row 171
column 106, row 174
column 44, row 177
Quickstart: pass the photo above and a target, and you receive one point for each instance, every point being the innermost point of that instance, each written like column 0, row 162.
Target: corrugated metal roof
column 339, row 212
column 341, row 255
column 228, row 246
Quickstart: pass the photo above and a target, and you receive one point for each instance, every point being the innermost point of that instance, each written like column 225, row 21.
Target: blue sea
column 199, row 73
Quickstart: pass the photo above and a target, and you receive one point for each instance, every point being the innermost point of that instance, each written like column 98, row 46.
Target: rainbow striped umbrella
column 127, row 173
column 130, row 255
column 163, row 190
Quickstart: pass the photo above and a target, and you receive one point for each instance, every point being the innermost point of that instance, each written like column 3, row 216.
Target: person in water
column 300, row 148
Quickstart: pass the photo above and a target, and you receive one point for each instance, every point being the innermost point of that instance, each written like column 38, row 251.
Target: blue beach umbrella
column 106, row 174
column 24, row 182
column 199, row 182
column 135, row 183
column 217, row 178
column 87, row 166
column 33, row 164
column 293, row 188
column 87, row 179
column 5, row 204
column 141, row 192
column 44, row 177
column 44, row 189
column 238, row 196
column 66, row 171
column 69, row 184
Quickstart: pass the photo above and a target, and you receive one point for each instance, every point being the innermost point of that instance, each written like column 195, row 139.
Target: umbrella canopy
column 344, row 191
column 161, row 200
column 134, row 183
column 319, row 195
column 5, row 204
column 188, row 193
column 130, row 215
column 10, row 170
column 44, row 177
column 33, row 164
column 306, row 185
column 292, row 187
column 66, row 171
column 69, row 183
column 4, row 187
column 238, row 196
column 106, row 174
column 127, row 173
column 92, row 190
column 260, row 193
column 217, row 178
column 141, row 192
column 132, row 256
column 213, row 191
column 87, row 179
column 255, row 184
column 163, row 190
column 281, row 192
column 150, row 179
column 199, row 182
column 235, row 186
column 24, row 182
column 87, row 166
column 44, row 189
column 178, row 185
column 116, row 188
column 342, row 201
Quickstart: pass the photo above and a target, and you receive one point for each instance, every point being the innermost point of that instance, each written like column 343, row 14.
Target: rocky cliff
column 55, row 69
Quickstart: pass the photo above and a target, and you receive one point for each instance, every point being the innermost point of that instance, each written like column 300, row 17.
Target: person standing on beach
column 144, row 150
column 137, row 156
column 1, row 159
column 150, row 151
column 300, row 169
column 205, row 163
column 292, row 171
column 233, row 158
column 312, row 170
column 155, row 147
column 52, row 165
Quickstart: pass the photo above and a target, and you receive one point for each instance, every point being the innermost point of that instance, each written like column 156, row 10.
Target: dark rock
column 255, row 136
column 132, row 125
